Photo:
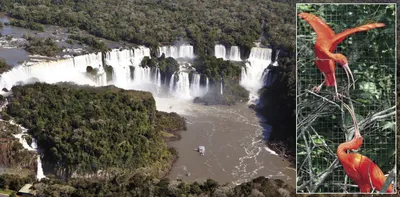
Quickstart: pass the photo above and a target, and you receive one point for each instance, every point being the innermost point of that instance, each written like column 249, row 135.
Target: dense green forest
column 82, row 130
column 138, row 186
column 41, row 46
column 4, row 66
column 167, row 66
column 152, row 23
column 27, row 24
column 217, row 69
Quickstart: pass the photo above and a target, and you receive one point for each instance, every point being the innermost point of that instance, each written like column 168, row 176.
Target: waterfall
column 276, row 59
column 251, row 76
column 64, row 70
column 181, row 51
column 182, row 85
column 222, row 88
column 126, row 70
column 171, row 83
column 207, row 86
column 220, row 51
column 121, row 60
column 40, row 174
column 233, row 55
column 157, row 77
column 195, row 86
column 33, row 147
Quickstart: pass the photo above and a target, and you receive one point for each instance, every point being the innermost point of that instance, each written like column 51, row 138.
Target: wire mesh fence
column 322, row 122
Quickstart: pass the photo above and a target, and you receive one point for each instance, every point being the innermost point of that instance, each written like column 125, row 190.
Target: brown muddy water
column 235, row 150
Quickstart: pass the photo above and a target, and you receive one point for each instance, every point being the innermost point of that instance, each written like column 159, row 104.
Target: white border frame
column 395, row 92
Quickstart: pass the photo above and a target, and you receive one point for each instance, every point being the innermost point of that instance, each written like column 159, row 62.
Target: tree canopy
column 86, row 130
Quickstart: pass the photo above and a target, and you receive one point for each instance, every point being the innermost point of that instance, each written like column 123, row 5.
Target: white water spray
column 221, row 52
column 176, row 52
column 251, row 76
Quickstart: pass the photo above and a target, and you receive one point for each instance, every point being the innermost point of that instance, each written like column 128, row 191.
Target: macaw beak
column 347, row 70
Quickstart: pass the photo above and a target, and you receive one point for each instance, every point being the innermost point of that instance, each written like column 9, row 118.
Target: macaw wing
column 338, row 38
column 320, row 27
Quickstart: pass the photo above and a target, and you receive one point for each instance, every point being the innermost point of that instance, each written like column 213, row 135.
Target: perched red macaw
column 364, row 172
column 325, row 45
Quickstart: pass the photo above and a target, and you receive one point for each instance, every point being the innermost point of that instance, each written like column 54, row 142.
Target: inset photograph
column 346, row 98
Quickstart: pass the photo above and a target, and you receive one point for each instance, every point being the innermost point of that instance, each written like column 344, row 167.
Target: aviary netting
column 322, row 122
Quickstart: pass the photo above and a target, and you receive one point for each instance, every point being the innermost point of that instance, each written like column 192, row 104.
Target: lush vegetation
column 143, row 186
column 27, row 24
column 153, row 23
column 12, row 153
column 42, row 46
column 4, row 66
column 170, row 125
column 167, row 66
column 14, row 182
column 91, row 41
column 216, row 69
column 85, row 130
column 280, row 97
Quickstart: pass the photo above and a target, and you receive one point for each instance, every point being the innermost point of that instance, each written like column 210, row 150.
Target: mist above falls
column 127, row 73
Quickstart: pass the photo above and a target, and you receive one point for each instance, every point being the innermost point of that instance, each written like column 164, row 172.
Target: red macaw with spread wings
column 326, row 43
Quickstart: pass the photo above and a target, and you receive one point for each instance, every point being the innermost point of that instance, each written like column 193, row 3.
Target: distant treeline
column 154, row 23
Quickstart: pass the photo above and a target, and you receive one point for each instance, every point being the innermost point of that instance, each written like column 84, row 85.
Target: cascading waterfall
column 157, row 77
column 276, row 59
column 268, row 77
column 128, row 74
column 171, row 83
column 33, row 147
column 220, row 51
column 121, row 60
column 176, row 52
column 207, row 86
column 233, row 55
column 252, row 75
column 195, row 85
column 64, row 70
column 182, row 86
column 222, row 87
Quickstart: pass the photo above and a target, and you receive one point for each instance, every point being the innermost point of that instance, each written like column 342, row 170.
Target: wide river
column 235, row 149
column 234, row 144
